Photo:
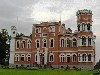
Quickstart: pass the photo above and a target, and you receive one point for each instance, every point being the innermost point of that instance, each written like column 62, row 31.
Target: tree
column 20, row 35
column 3, row 45
column 97, row 66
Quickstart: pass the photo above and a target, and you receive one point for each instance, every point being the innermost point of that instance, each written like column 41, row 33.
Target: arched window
column 78, row 28
column 84, row 41
column 62, row 57
column 23, row 44
column 89, row 57
column 29, row 44
column 74, row 58
column 17, row 57
column 62, row 43
column 67, row 42
column 51, row 42
column 37, row 43
column 84, row 57
column 17, row 44
column 44, row 43
column 74, row 42
column 89, row 41
column 68, row 58
column 88, row 27
column 28, row 57
column 51, row 57
column 22, row 57
column 79, row 57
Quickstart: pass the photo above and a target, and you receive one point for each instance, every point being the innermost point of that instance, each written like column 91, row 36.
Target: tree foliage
column 3, row 45
column 20, row 35
column 97, row 66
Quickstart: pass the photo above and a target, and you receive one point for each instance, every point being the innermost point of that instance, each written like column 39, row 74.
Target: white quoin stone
column 86, row 41
column 38, row 57
column 90, row 28
column 46, row 52
column 85, row 27
column 81, row 28
column 80, row 42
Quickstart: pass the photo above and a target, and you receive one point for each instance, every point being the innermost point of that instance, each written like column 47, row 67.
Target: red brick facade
column 52, row 44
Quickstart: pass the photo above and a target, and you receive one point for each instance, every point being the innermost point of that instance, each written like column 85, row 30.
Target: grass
column 43, row 72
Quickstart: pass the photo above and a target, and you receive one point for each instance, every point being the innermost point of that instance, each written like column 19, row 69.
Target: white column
column 80, row 58
column 81, row 28
column 12, row 51
column 86, row 57
column 46, row 52
column 38, row 57
column 86, row 41
column 92, row 58
column 85, row 27
column 92, row 42
column 80, row 42
column 91, row 28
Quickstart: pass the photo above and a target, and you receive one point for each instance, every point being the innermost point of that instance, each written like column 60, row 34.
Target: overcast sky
column 24, row 13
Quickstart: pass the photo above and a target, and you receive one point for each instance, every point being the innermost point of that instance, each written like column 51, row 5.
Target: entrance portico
column 42, row 56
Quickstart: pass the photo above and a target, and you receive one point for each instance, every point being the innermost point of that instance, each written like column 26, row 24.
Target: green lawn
column 43, row 72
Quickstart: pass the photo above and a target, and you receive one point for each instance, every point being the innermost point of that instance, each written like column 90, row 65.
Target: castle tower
column 84, row 20
column 86, row 41
column 84, row 27
column 12, row 45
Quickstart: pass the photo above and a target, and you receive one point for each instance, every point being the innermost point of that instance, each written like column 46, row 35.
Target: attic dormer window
column 51, row 29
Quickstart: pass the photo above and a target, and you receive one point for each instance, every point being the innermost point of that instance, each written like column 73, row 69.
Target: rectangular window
column 67, row 42
column 44, row 34
column 51, row 29
column 38, row 30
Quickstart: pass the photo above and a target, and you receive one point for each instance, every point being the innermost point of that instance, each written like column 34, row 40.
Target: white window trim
column 82, row 57
column 38, row 30
column 36, row 43
column 22, row 43
column 74, row 41
column 72, row 57
column 49, row 57
column 91, row 57
column 29, row 42
column 66, row 41
column 23, row 55
column 53, row 29
column 35, row 57
column 50, row 42
column 17, row 55
column 43, row 43
column 67, row 56
column 44, row 33
column 62, row 43
column 16, row 44
column 62, row 57
column 28, row 55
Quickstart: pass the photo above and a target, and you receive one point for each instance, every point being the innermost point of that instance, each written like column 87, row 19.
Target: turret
column 13, row 31
column 84, row 20
column 12, row 45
